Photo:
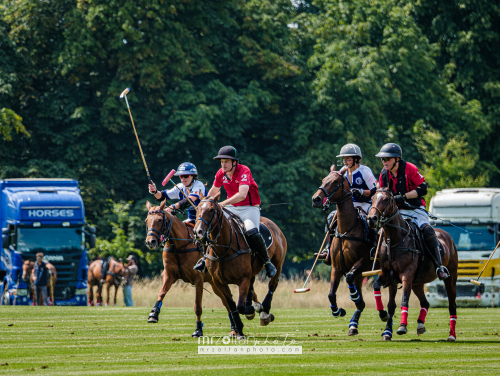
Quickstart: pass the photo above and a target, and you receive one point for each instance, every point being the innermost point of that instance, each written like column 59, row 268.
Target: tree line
column 285, row 83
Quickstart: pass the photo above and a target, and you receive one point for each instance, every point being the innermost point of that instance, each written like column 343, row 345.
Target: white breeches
column 250, row 215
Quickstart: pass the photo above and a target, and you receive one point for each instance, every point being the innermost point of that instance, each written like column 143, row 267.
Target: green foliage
column 449, row 163
column 9, row 122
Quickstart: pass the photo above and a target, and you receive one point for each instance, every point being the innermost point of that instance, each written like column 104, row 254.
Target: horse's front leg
column 108, row 289
column 168, row 280
column 354, row 281
column 198, row 310
column 236, row 319
column 424, row 307
column 224, row 303
column 407, row 284
column 265, row 317
column 243, row 289
column 336, row 275
column 391, row 308
column 250, row 298
column 116, row 294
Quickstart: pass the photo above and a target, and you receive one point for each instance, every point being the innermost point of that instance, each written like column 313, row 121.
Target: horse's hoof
column 383, row 315
column 266, row 318
column 240, row 337
column 250, row 317
column 98, row 305
column 420, row 328
column 342, row 312
column 402, row 329
column 353, row 331
column 197, row 334
column 258, row 307
column 451, row 338
column 233, row 334
column 153, row 317
column 107, row 304
column 386, row 338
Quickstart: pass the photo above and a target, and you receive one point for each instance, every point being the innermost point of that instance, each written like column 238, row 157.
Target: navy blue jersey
column 362, row 178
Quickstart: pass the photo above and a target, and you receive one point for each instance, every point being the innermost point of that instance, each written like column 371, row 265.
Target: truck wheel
column 5, row 294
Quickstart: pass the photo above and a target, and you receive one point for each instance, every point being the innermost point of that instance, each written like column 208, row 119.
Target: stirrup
column 201, row 266
column 442, row 269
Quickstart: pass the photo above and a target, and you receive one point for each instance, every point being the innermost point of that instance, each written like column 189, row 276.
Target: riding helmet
column 227, row 152
column 350, row 150
column 390, row 150
column 186, row 168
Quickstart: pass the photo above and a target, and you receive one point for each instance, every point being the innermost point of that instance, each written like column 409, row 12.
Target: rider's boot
column 200, row 265
column 432, row 243
column 256, row 242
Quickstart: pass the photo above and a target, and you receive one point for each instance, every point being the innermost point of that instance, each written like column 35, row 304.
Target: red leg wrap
column 404, row 315
column 378, row 301
column 453, row 324
column 423, row 313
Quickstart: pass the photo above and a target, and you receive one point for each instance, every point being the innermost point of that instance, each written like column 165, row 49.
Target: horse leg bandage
column 378, row 300
column 335, row 310
column 453, row 324
column 404, row 315
column 355, row 297
column 421, row 316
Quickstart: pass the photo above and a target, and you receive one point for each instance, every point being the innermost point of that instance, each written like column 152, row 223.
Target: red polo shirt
column 242, row 176
column 413, row 179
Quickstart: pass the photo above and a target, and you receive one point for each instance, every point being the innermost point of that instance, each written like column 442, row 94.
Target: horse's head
column 208, row 214
column 155, row 224
column 27, row 268
column 383, row 206
column 330, row 191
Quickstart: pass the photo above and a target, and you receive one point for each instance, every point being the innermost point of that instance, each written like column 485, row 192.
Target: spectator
column 127, row 286
column 40, row 279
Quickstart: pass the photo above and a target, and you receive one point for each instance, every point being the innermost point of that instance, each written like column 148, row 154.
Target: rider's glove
column 357, row 193
column 400, row 199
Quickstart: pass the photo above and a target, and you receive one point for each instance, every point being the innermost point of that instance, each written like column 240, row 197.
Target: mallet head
column 371, row 272
column 124, row 92
column 301, row 290
column 475, row 282
column 169, row 176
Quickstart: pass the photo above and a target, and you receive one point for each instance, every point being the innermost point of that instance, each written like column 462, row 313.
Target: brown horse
column 28, row 270
column 115, row 274
column 349, row 249
column 228, row 263
column 402, row 262
column 180, row 255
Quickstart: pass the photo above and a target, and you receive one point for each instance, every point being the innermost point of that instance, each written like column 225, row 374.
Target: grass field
column 117, row 340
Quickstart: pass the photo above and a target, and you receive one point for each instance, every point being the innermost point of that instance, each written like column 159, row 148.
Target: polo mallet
column 124, row 95
column 303, row 289
column 375, row 272
column 169, row 178
column 476, row 281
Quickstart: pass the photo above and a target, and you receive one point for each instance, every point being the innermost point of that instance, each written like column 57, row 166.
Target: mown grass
column 117, row 340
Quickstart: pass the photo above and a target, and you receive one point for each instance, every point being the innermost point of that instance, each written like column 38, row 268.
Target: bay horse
column 403, row 262
column 114, row 276
column 350, row 247
column 28, row 270
column 180, row 255
column 228, row 263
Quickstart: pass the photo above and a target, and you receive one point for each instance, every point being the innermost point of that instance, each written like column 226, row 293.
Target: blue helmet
column 186, row 168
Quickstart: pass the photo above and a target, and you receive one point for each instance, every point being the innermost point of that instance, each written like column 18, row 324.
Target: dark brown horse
column 402, row 262
column 180, row 255
column 229, row 260
column 349, row 249
column 114, row 277
column 28, row 267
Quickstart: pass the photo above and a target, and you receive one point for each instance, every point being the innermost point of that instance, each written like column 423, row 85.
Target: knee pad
column 349, row 278
column 427, row 230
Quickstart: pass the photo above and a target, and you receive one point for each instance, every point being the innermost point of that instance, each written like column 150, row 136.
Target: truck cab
column 44, row 215
column 476, row 211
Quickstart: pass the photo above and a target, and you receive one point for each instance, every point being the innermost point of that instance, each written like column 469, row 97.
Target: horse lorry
column 48, row 216
column 476, row 213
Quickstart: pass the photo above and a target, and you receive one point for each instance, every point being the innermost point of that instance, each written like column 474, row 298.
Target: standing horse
column 180, row 255
column 113, row 277
column 228, row 263
column 28, row 270
column 350, row 248
column 403, row 262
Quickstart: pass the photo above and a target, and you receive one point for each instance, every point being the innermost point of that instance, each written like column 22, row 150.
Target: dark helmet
column 350, row 150
column 186, row 168
column 390, row 150
column 227, row 152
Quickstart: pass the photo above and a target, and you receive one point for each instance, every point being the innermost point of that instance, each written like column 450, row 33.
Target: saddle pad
column 266, row 234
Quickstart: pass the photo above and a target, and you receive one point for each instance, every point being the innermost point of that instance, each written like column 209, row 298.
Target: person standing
column 133, row 269
column 243, row 199
column 40, row 279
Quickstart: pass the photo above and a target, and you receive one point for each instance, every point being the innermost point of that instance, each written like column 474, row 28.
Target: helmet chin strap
column 394, row 164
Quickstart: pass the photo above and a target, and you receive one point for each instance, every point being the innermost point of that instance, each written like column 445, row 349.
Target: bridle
column 162, row 239
column 206, row 239
column 384, row 220
column 345, row 195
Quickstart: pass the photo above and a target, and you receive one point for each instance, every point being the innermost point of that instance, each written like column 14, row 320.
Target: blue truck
column 44, row 215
